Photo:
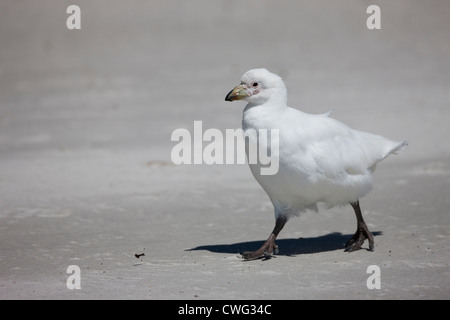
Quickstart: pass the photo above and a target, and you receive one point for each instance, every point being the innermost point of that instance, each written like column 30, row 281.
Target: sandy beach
column 87, row 179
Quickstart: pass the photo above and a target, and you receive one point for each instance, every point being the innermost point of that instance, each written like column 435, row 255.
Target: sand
column 86, row 176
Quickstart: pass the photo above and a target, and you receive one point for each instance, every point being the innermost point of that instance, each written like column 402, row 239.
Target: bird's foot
column 358, row 239
column 268, row 249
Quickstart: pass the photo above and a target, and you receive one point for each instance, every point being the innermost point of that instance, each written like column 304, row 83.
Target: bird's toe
column 267, row 250
column 252, row 255
column 356, row 245
column 349, row 243
column 358, row 239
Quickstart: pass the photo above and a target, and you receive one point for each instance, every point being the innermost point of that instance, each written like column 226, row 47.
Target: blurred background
column 86, row 115
column 138, row 70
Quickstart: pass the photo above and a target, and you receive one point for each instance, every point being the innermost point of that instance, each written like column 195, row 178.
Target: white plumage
column 321, row 160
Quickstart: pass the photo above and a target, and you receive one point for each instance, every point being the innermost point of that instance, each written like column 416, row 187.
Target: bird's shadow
column 289, row 247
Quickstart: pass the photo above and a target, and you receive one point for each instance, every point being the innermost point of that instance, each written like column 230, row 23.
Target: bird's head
column 259, row 86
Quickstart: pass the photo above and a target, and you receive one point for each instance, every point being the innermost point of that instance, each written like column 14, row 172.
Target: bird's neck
column 269, row 106
column 261, row 116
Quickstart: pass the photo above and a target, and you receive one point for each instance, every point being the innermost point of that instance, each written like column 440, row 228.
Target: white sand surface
column 86, row 176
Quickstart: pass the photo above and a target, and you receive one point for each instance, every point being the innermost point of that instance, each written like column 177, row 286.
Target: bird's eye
column 255, row 84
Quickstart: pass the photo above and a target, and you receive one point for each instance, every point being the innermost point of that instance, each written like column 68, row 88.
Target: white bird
column 321, row 160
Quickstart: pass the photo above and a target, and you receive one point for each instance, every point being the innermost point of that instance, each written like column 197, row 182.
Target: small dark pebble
column 138, row 255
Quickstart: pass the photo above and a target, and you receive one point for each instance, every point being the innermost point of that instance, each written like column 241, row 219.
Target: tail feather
column 391, row 148
column 394, row 148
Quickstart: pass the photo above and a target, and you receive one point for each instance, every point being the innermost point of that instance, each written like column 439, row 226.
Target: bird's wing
column 336, row 149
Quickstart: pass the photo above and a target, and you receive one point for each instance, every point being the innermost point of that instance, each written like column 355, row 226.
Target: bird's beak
column 238, row 93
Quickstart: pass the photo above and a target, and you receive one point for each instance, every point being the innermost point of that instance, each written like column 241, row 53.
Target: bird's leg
column 269, row 247
column 362, row 232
